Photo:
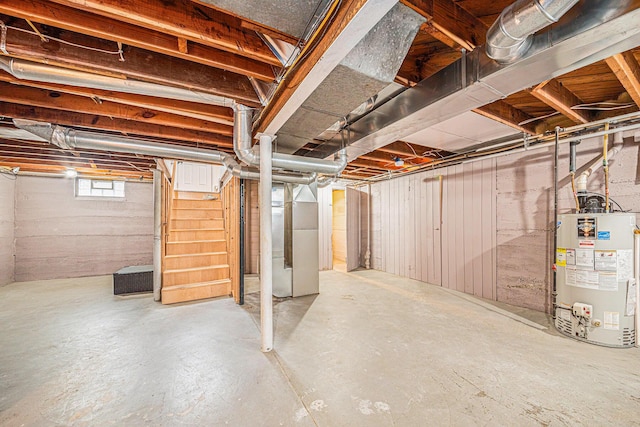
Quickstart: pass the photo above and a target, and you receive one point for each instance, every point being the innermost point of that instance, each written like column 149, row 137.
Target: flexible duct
column 242, row 147
column 26, row 70
column 510, row 35
column 67, row 138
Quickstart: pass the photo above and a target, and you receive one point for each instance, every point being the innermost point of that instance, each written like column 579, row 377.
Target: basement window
column 99, row 188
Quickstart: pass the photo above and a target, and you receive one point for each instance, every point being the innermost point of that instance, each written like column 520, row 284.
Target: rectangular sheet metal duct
column 368, row 68
column 590, row 32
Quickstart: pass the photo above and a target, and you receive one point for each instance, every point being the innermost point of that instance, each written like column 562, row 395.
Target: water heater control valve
column 582, row 310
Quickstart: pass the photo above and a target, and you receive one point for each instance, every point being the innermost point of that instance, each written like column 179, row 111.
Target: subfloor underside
column 371, row 350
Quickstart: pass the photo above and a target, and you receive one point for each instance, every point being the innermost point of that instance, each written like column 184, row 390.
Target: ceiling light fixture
column 398, row 162
column 70, row 173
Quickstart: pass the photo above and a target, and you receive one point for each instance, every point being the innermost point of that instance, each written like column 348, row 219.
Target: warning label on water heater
column 587, row 228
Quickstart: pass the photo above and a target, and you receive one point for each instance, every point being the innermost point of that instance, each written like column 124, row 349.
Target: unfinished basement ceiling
column 225, row 48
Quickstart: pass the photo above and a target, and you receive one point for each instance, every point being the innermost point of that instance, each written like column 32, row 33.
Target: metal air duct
column 69, row 139
column 26, row 70
column 595, row 30
column 511, row 34
column 242, row 147
column 366, row 69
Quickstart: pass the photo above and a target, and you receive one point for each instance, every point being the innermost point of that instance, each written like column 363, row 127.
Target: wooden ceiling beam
column 627, row 70
column 560, row 99
column 455, row 26
column 80, row 21
column 138, row 64
column 182, row 18
column 213, row 113
column 68, row 158
column 372, row 164
column 61, row 101
column 387, row 157
column 506, row 114
column 299, row 71
column 401, row 148
column 44, row 167
column 128, row 127
column 437, row 62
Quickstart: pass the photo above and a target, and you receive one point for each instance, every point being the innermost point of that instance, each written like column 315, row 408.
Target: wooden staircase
column 196, row 261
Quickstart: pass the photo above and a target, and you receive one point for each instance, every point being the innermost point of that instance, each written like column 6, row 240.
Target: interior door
column 198, row 177
column 354, row 245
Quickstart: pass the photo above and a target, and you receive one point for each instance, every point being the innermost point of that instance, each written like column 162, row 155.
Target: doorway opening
column 339, row 230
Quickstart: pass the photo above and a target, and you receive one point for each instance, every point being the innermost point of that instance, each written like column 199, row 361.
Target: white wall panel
column 406, row 226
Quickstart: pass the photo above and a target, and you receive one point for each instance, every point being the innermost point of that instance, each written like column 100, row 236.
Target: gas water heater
column 594, row 278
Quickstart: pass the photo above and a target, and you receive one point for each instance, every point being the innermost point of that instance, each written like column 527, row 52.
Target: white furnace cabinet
column 594, row 279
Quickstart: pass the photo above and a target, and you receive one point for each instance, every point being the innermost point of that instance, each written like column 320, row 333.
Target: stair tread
column 196, row 229
column 196, row 209
column 194, row 241
column 197, row 285
column 196, row 254
column 208, row 267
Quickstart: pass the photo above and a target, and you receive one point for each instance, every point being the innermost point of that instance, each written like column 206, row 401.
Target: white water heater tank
column 594, row 278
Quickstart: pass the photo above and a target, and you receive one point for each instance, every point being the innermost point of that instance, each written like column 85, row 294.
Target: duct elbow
column 510, row 36
column 340, row 158
column 242, row 135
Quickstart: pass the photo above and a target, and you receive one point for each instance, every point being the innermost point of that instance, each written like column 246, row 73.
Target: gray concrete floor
column 371, row 350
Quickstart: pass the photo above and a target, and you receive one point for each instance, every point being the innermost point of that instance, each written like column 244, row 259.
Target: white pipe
column 636, row 274
column 157, row 234
column 266, row 249
column 26, row 70
column 581, row 181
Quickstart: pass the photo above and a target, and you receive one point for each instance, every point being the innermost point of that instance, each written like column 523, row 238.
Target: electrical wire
column 591, row 106
column 118, row 52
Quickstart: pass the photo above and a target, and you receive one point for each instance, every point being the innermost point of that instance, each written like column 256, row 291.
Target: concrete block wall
column 525, row 213
column 59, row 236
column 7, row 218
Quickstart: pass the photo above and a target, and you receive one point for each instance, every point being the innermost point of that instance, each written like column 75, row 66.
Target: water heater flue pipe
column 510, row 36
column 572, row 171
column 243, row 148
column 581, row 182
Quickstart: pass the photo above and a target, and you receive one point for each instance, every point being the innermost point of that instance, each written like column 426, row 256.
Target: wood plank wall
column 252, row 227
column 7, row 228
column 231, row 206
column 469, row 229
column 408, row 239
column 59, row 235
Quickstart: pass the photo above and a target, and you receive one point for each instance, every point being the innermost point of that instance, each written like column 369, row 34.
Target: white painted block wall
column 59, row 236
column 7, row 249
